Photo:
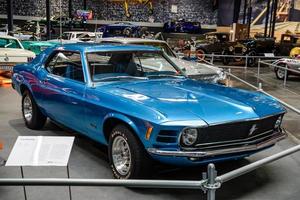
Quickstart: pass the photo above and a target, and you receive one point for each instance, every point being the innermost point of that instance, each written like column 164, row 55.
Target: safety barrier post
column 259, row 87
column 211, row 185
column 285, row 75
column 212, row 59
column 246, row 62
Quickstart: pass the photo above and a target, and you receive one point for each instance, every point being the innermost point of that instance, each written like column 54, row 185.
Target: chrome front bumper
column 202, row 154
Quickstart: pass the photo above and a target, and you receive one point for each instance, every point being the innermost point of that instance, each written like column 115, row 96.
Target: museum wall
column 186, row 9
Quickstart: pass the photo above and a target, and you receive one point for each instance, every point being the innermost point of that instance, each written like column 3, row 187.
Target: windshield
column 114, row 66
column 9, row 43
column 161, row 45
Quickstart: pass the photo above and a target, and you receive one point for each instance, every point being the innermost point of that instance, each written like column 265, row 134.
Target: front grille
column 166, row 136
column 239, row 133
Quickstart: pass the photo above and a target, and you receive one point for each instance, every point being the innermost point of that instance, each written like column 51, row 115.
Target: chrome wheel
column 27, row 108
column 280, row 73
column 121, row 155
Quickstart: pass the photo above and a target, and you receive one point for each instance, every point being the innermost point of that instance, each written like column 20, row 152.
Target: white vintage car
column 194, row 70
column 12, row 52
column 77, row 36
column 292, row 64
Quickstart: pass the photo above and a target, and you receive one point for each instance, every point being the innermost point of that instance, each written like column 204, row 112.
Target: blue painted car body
column 168, row 104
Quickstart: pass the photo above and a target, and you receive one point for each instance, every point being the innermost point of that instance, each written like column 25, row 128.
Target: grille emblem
column 252, row 129
column 6, row 58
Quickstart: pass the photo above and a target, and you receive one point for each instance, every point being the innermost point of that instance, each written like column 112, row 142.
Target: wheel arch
column 111, row 120
column 23, row 88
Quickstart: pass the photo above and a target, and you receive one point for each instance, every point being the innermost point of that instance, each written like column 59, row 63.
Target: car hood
column 184, row 99
column 16, row 52
column 194, row 68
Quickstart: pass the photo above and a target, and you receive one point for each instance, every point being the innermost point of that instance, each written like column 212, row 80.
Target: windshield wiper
column 7, row 45
column 121, row 77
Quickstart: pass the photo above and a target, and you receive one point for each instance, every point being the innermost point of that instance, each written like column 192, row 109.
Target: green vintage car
column 38, row 46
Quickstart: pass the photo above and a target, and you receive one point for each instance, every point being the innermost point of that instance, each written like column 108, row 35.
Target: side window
column 66, row 64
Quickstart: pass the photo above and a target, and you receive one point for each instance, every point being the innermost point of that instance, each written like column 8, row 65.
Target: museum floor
column 279, row 180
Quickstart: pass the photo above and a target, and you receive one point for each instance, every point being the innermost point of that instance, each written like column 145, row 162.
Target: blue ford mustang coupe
column 137, row 102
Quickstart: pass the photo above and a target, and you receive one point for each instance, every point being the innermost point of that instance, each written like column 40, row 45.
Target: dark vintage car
column 251, row 47
column 120, row 29
column 214, row 42
column 287, row 43
column 182, row 26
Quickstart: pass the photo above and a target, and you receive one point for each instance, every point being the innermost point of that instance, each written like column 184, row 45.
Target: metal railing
column 209, row 184
column 259, row 88
column 245, row 57
column 274, row 66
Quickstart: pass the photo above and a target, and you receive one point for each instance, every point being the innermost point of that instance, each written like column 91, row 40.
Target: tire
column 138, row 159
column 226, row 60
column 200, row 53
column 251, row 61
column 280, row 73
column 33, row 117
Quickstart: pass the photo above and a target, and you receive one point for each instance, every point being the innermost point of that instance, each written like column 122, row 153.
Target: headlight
column 244, row 49
column 278, row 123
column 231, row 48
column 189, row 136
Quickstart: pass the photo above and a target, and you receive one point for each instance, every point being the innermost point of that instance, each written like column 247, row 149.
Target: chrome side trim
column 202, row 154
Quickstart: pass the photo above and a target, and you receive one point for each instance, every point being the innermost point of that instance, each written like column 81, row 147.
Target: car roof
column 130, row 40
column 91, row 47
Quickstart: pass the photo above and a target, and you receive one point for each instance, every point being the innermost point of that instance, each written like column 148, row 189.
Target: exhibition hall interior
column 149, row 99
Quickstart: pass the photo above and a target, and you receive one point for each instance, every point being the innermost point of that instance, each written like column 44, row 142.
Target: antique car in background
column 214, row 42
column 29, row 31
column 66, row 22
column 182, row 26
column 194, row 70
column 120, row 29
column 12, row 52
column 4, row 29
column 257, row 46
column 287, row 43
column 293, row 64
column 76, row 36
column 133, row 99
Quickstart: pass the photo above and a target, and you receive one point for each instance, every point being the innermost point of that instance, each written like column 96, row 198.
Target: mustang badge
column 252, row 129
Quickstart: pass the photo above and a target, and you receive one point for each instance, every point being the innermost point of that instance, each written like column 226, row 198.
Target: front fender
column 123, row 118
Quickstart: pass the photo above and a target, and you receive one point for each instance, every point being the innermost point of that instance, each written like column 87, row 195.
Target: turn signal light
column 148, row 133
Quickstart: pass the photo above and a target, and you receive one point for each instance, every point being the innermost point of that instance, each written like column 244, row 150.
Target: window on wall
column 66, row 64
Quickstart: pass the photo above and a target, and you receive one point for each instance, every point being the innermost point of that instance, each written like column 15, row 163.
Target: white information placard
column 269, row 55
column 41, row 151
